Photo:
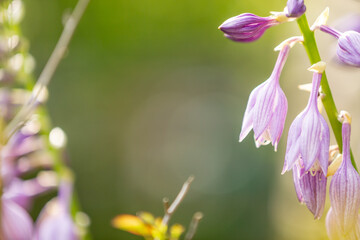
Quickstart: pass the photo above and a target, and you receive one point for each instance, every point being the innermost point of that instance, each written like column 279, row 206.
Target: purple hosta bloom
column 310, row 189
column 335, row 233
column 16, row 222
column 247, row 27
column 295, row 8
column 21, row 144
column 55, row 221
column 267, row 107
column 309, row 137
column 345, row 188
column 348, row 48
column 22, row 192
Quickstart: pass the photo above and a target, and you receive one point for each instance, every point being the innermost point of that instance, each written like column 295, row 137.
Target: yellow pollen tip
column 318, row 67
column 321, row 20
column 334, row 165
column 344, row 117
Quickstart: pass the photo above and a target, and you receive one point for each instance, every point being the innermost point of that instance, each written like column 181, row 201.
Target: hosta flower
column 310, row 189
column 348, row 48
column 55, row 221
column 22, row 192
column 295, row 8
column 16, row 222
column 345, row 188
column 247, row 27
column 309, row 136
column 267, row 107
column 334, row 232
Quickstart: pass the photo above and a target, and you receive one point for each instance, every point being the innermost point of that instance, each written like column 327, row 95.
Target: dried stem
column 166, row 204
column 194, row 225
column 179, row 198
column 49, row 69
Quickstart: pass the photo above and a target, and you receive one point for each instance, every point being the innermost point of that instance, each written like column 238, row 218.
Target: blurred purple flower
column 16, row 222
column 246, row 27
column 55, row 221
column 18, row 146
column 295, row 8
column 309, row 137
column 267, row 107
column 348, row 48
column 23, row 191
column 345, row 188
column 310, row 189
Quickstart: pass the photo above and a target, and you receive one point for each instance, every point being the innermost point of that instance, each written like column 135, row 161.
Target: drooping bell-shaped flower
column 309, row 136
column 334, row 232
column 55, row 221
column 348, row 47
column 345, row 187
column 247, row 27
column 267, row 107
column 295, row 8
column 310, row 188
column 16, row 222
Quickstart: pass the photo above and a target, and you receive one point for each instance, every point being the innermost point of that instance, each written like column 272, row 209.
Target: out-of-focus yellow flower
column 147, row 226
column 132, row 224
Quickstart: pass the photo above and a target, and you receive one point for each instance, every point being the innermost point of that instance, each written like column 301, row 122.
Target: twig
column 25, row 112
column 179, row 198
column 194, row 225
column 166, row 204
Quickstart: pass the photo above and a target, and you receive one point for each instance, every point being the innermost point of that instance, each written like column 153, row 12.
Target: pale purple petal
column 58, row 227
column 348, row 49
column 248, row 116
column 313, row 188
column 345, row 188
column 334, row 232
column 277, row 123
column 296, row 177
column 22, row 192
column 324, row 146
column 293, row 145
column 16, row 222
column 264, row 109
column 310, row 138
column 55, row 221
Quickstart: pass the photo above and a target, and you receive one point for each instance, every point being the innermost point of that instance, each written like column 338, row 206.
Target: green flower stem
column 327, row 100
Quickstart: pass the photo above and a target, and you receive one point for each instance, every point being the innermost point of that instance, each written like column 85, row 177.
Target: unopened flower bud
column 345, row 188
column 247, row 27
column 295, row 8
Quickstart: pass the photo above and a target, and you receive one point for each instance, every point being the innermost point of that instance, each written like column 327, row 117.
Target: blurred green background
column 150, row 93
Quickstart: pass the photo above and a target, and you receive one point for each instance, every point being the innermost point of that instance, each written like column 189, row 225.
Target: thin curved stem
column 328, row 100
column 46, row 75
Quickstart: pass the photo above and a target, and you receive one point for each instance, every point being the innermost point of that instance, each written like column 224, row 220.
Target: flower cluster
column 32, row 160
column 308, row 151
